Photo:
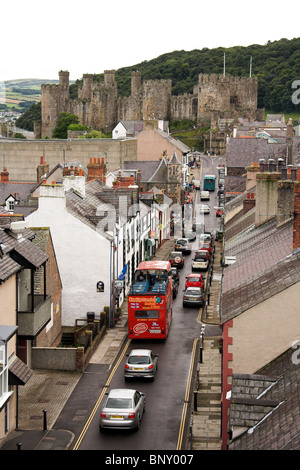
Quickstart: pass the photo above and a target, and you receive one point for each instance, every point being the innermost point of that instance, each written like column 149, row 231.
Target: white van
column 197, row 184
column 204, row 196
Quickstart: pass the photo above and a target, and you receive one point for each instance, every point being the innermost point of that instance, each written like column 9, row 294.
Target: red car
column 194, row 280
column 203, row 251
column 219, row 213
column 205, row 246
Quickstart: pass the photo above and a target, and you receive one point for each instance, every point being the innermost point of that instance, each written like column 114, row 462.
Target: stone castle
column 99, row 106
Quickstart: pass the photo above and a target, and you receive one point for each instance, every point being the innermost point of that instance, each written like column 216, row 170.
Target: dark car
column 175, row 281
column 176, row 259
column 190, row 235
column 193, row 296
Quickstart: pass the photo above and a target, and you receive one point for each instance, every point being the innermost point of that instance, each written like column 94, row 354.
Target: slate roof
column 20, row 190
column 263, row 256
column 241, row 152
column 177, row 143
column 98, row 204
column 147, row 168
column 16, row 251
column 261, row 286
column 278, row 428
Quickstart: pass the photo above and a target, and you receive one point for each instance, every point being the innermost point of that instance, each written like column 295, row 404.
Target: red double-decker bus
column 150, row 302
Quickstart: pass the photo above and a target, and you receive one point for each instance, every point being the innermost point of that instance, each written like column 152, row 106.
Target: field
column 19, row 95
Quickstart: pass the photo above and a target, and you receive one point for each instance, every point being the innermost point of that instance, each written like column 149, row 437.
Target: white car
column 204, row 195
column 204, row 209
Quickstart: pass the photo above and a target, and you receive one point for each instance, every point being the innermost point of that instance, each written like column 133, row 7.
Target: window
column 147, row 314
column 3, row 374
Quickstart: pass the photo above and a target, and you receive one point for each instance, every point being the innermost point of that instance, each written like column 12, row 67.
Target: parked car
column 123, row 409
column 192, row 296
column 205, row 246
column 141, row 363
column 194, row 280
column 200, row 261
column 219, row 213
column 204, row 195
column 205, row 237
column 196, row 184
column 206, row 253
column 176, row 259
column 204, row 209
column 183, row 245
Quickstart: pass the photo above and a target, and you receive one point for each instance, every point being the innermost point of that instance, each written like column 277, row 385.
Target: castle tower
column 135, row 83
column 157, row 99
column 55, row 99
column 85, row 92
column 109, row 77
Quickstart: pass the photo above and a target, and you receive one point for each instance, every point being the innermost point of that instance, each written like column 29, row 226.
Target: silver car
column 141, row 363
column 192, row 296
column 123, row 409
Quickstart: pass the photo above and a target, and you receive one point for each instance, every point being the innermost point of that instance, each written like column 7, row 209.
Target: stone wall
column 23, row 157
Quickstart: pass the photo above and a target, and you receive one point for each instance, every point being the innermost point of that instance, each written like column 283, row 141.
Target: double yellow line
column 187, row 395
column 87, row 424
column 185, row 405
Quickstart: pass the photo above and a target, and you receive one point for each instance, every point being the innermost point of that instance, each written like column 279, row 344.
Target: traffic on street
column 165, row 400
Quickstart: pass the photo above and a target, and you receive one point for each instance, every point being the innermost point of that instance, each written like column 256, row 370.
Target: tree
column 62, row 124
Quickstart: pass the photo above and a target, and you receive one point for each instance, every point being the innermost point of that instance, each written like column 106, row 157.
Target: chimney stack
column 42, row 169
column 296, row 228
column 96, row 170
column 4, row 176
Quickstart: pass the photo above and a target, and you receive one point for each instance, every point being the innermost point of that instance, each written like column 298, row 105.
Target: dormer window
column 10, row 203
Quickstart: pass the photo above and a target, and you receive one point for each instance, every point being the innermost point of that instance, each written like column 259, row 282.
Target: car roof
column 194, row 275
column 122, row 392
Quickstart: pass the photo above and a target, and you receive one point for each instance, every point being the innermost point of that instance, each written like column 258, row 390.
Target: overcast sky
column 40, row 38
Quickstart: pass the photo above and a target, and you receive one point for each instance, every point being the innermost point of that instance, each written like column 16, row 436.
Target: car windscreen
column 193, row 292
column 122, row 403
column 139, row 360
column 200, row 258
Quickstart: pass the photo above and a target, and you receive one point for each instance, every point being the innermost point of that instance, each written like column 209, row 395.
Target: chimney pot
column 283, row 173
column 293, row 174
column 42, row 160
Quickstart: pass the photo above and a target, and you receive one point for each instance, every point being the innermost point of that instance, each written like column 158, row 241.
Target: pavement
column 42, row 399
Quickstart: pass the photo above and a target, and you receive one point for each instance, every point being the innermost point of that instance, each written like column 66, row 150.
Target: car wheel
column 138, row 424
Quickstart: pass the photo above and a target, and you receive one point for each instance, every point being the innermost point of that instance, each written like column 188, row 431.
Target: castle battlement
column 99, row 106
